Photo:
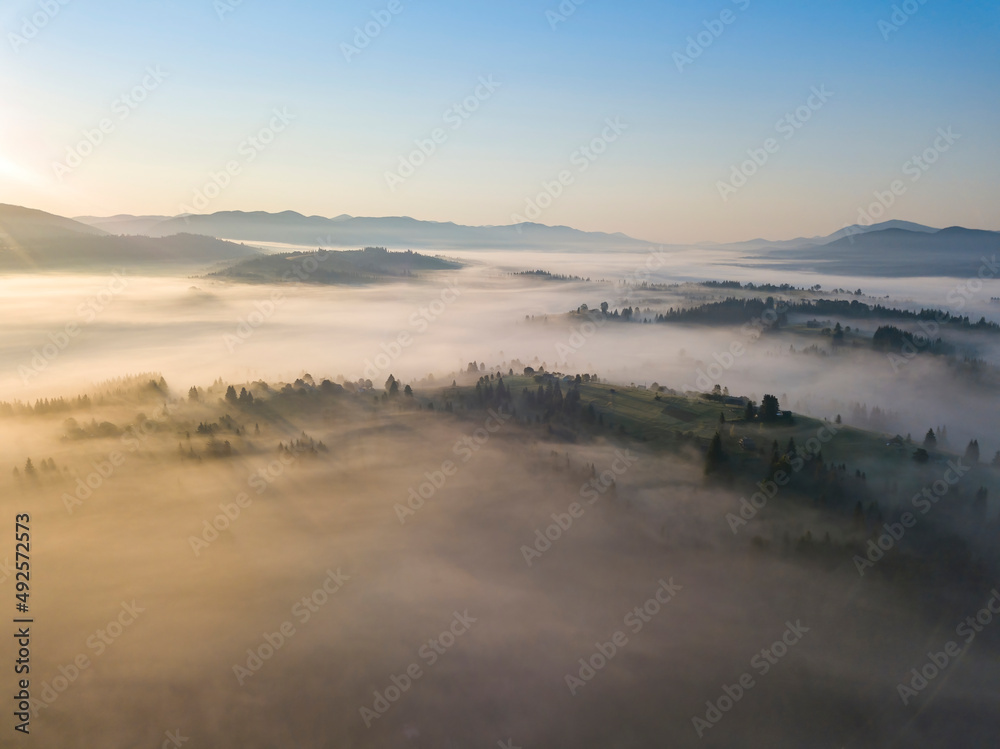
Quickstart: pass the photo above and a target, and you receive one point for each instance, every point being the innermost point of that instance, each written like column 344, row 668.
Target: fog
column 195, row 329
column 418, row 536
column 194, row 609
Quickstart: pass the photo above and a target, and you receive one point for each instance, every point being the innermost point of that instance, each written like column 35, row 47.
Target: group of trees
column 549, row 276
column 734, row 310
column 304, row 444
column 891, row 338
column 731, row 310
column 765, row 287
column 932, row 441
column 243, row 399
column 854, row 309
column 44, row 406
column 768, row 412
column 627, row 314
column 392, row 388
column 47, row 465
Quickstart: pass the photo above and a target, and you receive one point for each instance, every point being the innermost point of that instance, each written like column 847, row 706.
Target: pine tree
column 972, row 452
column 715, row 457
column 769, row 408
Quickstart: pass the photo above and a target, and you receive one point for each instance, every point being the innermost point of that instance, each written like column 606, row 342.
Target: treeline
column 891, row 338
column 728, row 311
column 859, row 310
column 44, row 406
column 548, row 276
column 750, row 286
column 733, row 310
column 553, row 400
column 141, row 387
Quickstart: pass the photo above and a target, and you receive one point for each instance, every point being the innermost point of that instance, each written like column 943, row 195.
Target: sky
column 671, row 122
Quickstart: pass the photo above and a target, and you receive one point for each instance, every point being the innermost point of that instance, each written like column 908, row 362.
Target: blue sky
column 354, row 123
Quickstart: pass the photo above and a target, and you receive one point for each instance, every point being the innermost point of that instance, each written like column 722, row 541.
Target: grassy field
column 643, row 417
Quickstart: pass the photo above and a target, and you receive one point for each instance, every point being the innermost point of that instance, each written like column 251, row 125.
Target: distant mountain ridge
column 953, row 252
column 399, row 232
column 19, row 225
column 802, row 242
column 123, row 223
column 31, row 239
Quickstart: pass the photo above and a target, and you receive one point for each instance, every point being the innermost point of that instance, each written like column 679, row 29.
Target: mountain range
column 289, row 227
column 805, row 242
column 32, row 239
column 895, row 252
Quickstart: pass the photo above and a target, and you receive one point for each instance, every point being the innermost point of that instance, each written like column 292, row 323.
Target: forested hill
column 329, row 267
column 734, row 311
